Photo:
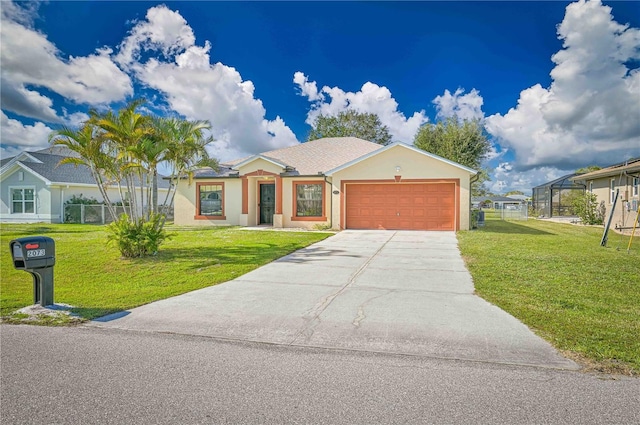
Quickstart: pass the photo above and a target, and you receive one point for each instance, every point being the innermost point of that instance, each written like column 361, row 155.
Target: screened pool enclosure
column 555, row 198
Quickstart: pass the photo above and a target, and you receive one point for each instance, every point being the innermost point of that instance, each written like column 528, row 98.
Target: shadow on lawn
column 202, row 257
column 102, row 314
column 42, row 230
column 501, row 226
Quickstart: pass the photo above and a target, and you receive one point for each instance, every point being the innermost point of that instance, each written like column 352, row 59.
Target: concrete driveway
column 401, row 292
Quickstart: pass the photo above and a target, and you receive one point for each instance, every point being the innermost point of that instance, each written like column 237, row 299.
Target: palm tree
column 126, row 130
column 88, row 143
column 186, row 151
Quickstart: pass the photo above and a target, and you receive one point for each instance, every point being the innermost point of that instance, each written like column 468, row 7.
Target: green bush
column 586, row 207
column 137, row 238
column 474, row 218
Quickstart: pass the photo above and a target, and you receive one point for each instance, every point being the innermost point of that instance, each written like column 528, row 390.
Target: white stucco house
column 338, row 183
column 34, row 186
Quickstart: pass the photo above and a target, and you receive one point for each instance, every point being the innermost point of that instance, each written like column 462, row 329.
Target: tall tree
column 464, row 142
column 350, row 123
column 478, row 188
column 127, row 130
column 127, row 146
column 88, row 143
column 588, row 169
column 186, row 150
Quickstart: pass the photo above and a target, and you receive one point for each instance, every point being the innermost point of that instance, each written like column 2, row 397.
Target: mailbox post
column 36, row 255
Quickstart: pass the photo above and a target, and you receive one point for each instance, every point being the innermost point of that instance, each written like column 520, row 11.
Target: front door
column 267, row 203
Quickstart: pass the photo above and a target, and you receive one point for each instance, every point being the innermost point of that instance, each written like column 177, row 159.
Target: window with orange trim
column 308, row 201
column 210, row 198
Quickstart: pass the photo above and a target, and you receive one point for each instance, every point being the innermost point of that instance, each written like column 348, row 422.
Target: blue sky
column 556, row 83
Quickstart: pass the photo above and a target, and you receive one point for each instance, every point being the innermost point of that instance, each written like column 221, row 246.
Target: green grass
column 92, row 277
column 559, row 281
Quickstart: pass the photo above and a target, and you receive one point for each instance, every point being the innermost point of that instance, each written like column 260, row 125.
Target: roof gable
column 400, row 145
column 10, row 168
column 47, row 167
column 254, row 158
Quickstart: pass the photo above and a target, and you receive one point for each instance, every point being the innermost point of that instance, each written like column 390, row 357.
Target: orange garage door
column 401, row 206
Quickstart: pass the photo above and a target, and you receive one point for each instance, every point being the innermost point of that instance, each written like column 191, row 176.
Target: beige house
column 623, row 178
column 338, row 183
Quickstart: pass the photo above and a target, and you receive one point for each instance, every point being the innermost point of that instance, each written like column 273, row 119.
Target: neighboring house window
column 591, row 187
column 23, row 200
column 612, row 184
column 309, row 200
column 636, row 183
column 210, row 200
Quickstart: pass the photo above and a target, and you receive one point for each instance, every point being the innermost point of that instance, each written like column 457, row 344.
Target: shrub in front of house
column 137, row 238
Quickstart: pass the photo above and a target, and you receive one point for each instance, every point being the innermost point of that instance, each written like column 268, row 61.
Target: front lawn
column 583, row 298
column 91, row 276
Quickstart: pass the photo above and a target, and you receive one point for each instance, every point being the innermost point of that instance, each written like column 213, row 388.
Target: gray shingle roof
column 319, row 156
column 223, row 171
column 50, row 168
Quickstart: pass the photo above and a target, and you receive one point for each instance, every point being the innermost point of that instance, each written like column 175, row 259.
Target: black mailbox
column 37, row 256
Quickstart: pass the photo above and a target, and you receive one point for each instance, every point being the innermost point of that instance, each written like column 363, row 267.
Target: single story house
column 35, row 186
column 338, row 183
column 623, row 178
column 495, row 202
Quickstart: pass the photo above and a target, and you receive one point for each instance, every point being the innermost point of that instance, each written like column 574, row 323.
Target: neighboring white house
column 34, row 186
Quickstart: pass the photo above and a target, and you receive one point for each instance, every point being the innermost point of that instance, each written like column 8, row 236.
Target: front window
column 309, row 199
column 211, row 200
column 23, row 201
column 636, row 183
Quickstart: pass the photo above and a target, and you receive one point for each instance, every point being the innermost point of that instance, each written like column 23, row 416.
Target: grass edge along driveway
column 92, row 277
column 559, row 281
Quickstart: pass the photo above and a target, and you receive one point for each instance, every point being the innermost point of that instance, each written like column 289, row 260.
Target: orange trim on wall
column 245, row 195
column 343, row 183
column 257, row 198
column 278, row 195
column 260, row 173
column 294, row 207
column 209, row 217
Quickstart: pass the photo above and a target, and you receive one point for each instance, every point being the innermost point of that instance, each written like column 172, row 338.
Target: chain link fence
column 93, row 214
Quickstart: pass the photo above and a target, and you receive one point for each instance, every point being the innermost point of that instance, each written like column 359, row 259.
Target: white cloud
column 464, row 106
column 591, row 111
column 308, row 89
column 164, row 30
column 371, row 99
column 198, row 89
column 30, row 60
column 27, row 103
column 16, row 137
column 505, row 178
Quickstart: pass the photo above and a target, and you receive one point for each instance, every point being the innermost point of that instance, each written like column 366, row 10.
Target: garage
column 401, row 206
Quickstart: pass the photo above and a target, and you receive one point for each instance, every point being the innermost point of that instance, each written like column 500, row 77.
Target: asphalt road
column 102, row 376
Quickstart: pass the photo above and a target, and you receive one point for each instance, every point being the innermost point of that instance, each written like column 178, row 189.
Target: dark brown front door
column 267, row 203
